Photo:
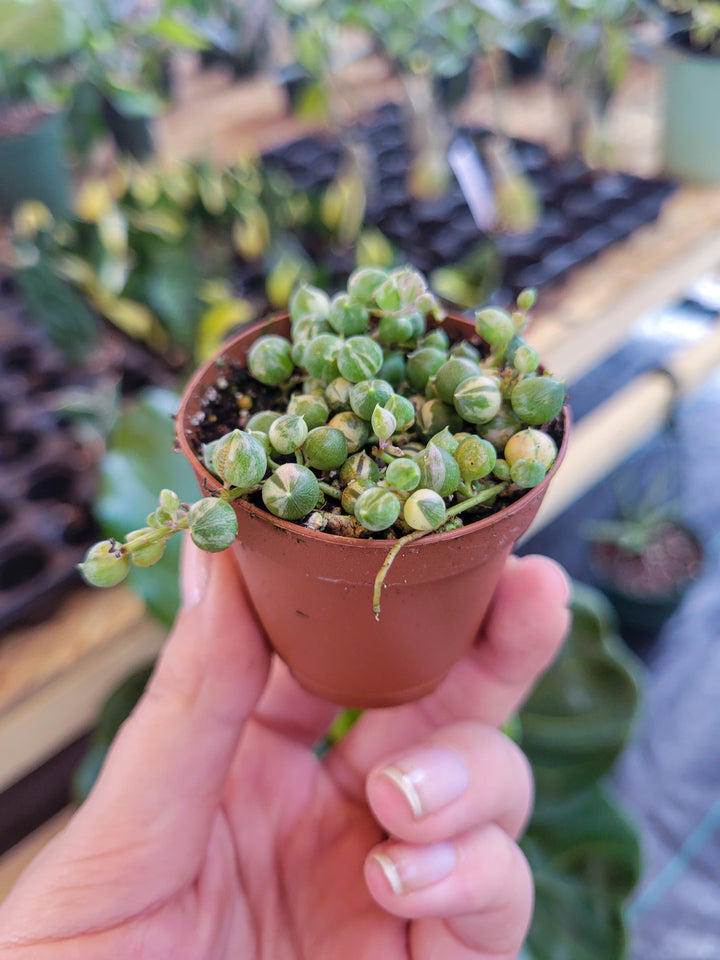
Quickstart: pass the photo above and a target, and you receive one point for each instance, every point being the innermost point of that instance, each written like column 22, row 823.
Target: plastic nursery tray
column 48, row 478
column 584, row 211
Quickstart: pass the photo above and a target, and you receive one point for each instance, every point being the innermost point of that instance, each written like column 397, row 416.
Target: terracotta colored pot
column 313, row 591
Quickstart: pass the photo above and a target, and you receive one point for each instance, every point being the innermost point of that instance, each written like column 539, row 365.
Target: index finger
column 520, row 637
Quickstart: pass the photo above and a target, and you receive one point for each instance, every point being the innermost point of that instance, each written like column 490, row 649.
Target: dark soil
column 672, row 559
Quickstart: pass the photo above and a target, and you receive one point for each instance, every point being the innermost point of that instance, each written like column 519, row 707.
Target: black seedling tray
column 48, row 478
column 584, row 211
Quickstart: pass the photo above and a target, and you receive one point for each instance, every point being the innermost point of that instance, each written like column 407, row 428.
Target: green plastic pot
column 691, row 136
column 33, row 166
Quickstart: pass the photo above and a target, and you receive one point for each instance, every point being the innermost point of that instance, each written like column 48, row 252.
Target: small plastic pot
column 643, row 615
column 313, row 591
column 691, row 132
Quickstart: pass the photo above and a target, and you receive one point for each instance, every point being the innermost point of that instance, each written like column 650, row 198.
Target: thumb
column 152, row 809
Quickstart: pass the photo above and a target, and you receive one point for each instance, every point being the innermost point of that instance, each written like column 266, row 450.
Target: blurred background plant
column 588, row 55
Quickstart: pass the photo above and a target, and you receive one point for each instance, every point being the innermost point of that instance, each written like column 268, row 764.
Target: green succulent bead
column 101, row 568
column 347, row 316
column 434, row 415
column 311, row 407
column 366, row 394
column 501, row 469
column 431, row 390
column 476, row 458
column 424, row 510
column 403, row 411
column 383, row 423
column 337, row 393
column 356, row 430
column 239, row 460
column 243, row 461
column 325, row 448
column 526, row 359
column 393, row 368
column 436, row 338
column 422, row 364
column 291, row 492
column 446, row 440
column 499, row 430
column 320, row 357
column 270, row 360
column 169, row 501
column 527, row 472
column 263, row 439
column 148, row 555
column 532, row 444
column 451, row 374
column 207, row 452
column 410, row 283
column 395, row 329
column 363, row 283
column 466, row 350
column 359, row 358
column 359, row 466
column 403, row 473
column 478, row 399
column 377, row 509
column 287, row 433
column 310, row 301
column 212, row 524
column 387, row 295
column 308, row 327
column 538, row 400
column 495, row 326
column 159, row 518
column 527, row 299
column 298, row 352
column 351, row 493
column 419, row 324
column 261, row 420
column 314, row 386
column 439, row 471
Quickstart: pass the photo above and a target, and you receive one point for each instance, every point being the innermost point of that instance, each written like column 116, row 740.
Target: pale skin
column 216, row 833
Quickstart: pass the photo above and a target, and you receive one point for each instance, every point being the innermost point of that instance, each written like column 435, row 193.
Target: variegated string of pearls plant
column 382, row 428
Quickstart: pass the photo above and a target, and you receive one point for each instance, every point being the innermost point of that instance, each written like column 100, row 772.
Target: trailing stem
column 481, row 497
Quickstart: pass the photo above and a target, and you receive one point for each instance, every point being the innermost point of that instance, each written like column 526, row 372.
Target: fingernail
column 429, row 779
column 412, row 868
column 195, row 573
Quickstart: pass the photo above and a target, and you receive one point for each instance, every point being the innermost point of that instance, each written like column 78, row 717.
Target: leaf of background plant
column 140, row 461
column 171, row 283
column 572, row 920
column 589, row 837
column 217, row 322
column 580, row 714
column 115, row 712
column 43, row 28
column 135, row 103
column 177, row 33
column 56, row 307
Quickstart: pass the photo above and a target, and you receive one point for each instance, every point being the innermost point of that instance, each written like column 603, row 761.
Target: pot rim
column 183, row 428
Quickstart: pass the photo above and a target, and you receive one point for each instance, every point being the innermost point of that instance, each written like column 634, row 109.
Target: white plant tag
column 474, row 182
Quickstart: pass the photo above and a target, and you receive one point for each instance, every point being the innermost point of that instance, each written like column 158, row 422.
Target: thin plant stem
column 475, row 501
column 330, row 490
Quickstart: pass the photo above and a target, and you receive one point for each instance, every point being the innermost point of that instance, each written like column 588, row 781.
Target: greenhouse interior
column 365, row 355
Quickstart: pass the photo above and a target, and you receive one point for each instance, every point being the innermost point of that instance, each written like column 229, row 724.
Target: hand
column 214, row 831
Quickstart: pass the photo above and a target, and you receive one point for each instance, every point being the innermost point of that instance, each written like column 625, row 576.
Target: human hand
column 214, row 831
